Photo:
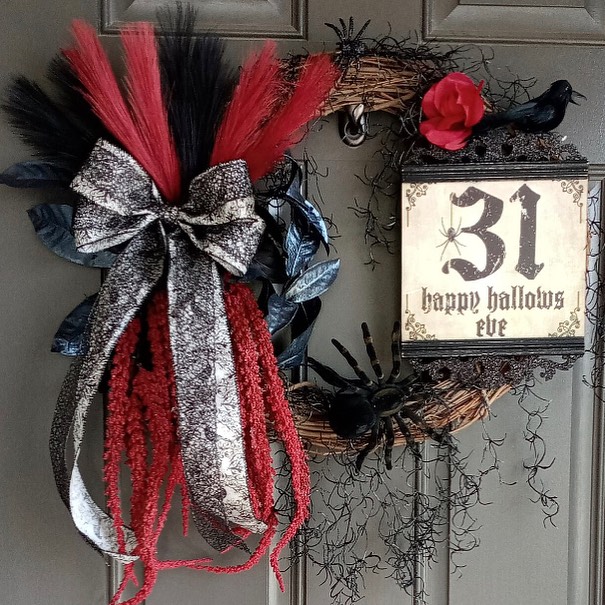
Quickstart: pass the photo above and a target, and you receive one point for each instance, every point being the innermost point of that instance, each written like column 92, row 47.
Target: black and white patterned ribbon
column 120, row 205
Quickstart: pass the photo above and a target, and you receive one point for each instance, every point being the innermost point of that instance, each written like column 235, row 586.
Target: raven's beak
column 576, row 95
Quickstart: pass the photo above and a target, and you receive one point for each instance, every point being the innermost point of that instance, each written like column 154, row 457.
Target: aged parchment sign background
column 494, row 259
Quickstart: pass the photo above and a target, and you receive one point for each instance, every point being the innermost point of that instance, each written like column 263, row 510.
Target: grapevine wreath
column 176, row 184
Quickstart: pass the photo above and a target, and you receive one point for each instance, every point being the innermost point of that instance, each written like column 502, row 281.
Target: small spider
column 450, row 235
column 363, row 405
column 350, row 45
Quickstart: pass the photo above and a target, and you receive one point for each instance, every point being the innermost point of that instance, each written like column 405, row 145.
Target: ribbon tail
column 132, row 278
column 210, row 428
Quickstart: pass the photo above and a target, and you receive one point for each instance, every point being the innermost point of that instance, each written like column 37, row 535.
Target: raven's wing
column 517, row 115
column 540, row 114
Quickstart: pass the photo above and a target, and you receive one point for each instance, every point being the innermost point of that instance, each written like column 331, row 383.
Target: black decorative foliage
column 52, row 223
column 314, row 282
column 303, row 324
column 280, row 313
column 267, row 263
column 70, row 337
column 290, row 287
column 300, row 248
column 35, row 174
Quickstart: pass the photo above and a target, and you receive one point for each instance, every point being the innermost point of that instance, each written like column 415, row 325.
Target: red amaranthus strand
column 254, row 425
column 242, row 309
column 141, row 423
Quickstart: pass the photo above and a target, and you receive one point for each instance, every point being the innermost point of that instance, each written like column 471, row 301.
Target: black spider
column 362, row 405
column 350, row 45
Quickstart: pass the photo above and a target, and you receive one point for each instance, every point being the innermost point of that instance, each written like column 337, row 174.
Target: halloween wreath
column 183, row 194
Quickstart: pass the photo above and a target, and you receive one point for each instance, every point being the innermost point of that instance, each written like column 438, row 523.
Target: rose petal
column 446, row 139
column 457, row 77
column 448, row 123
column 474, row 111
column 428, row 104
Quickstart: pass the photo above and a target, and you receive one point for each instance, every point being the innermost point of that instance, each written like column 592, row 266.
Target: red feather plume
column 252, row 103
column 317, row 78
column 256, row 128
column 142, row 128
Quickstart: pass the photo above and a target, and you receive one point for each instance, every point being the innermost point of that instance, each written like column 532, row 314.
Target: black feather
column 61, row 133
column 197, row 84
column 73, row 102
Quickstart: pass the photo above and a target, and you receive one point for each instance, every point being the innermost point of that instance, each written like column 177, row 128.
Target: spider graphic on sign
column 450, row 234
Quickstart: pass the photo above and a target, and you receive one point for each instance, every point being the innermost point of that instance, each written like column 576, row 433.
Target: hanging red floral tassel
column 243, row 308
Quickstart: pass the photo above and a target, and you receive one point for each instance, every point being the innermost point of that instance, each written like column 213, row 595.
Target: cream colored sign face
column 493, row 259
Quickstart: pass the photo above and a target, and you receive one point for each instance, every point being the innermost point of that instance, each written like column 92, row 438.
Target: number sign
column 494, row 259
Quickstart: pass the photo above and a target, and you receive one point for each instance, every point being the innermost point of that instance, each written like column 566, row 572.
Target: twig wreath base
column 447, row 406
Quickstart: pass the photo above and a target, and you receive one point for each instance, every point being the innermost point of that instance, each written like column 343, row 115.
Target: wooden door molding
column 577, row 22
column 229, row 19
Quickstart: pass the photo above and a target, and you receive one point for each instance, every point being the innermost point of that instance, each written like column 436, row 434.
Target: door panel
column 519, row 561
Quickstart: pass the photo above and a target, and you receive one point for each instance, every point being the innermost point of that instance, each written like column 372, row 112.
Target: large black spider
column 350, row 44
column 363, row 405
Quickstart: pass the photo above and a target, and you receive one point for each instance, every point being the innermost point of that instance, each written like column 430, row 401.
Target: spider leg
column 335, row 29
column 353, row 363
column 329, row 375
column 389, row 443
column 409, row 438
column 443, row 227
column 372, row 443
column 371, row 351
column 351, row 28
column 445, row 245
column 362, row 30
column 395, row 352
column 421, row 422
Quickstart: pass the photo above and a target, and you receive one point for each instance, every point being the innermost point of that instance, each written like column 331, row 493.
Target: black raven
column 542, row 114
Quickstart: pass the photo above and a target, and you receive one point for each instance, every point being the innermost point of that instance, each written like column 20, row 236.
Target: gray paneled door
column 521, row 562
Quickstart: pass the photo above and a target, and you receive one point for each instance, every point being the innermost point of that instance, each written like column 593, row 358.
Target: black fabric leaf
column 267, row 263
column 294, row 354
column 300, row 249
column 69, row 339
column 35, row 174
column 308, row 312
column 314, row 219
column 304, row 210
column 313, row 282
column 280, row 312
column 52, row 223
column 302, row 328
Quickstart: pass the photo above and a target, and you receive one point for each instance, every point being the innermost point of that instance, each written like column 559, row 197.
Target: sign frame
column 417, row 341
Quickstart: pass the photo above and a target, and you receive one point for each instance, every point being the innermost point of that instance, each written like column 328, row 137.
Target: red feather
column 253, row 101
column 318, row 77
column 144, row 132
column 148, row 110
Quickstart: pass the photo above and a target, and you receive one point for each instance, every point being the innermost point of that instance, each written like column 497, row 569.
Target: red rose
column 452, row 107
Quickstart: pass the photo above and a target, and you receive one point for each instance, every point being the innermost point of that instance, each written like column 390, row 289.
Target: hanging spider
column 451, row 234
column 351, row 45
column 363, row 405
